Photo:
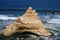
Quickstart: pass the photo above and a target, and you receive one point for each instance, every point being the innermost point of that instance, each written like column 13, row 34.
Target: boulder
column 28, row 22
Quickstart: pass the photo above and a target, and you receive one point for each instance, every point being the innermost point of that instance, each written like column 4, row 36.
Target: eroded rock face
column 28, row 22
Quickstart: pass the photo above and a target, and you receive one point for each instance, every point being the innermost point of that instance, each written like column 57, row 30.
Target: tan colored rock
column 28, row 22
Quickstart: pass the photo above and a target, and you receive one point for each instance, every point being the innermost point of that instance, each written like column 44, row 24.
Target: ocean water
column 51, row 22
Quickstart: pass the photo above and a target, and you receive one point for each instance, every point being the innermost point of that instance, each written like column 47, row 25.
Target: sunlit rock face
column 28, row 22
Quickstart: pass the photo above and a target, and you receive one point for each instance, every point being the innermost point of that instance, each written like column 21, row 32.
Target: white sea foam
column 54, row 21
column 6, row 17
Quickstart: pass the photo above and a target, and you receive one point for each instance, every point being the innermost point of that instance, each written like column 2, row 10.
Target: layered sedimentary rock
column 28, row 22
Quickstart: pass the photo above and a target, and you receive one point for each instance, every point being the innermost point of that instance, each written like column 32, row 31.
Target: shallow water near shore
column 52, row 23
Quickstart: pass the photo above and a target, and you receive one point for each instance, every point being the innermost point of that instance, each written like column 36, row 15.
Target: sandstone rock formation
column 28, row 22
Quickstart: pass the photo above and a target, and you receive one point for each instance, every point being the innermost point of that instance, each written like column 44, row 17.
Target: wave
column 6, row 17
column 54, row 21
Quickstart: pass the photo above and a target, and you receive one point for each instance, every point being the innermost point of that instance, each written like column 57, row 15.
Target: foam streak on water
column 54, row 21
column 6, row 17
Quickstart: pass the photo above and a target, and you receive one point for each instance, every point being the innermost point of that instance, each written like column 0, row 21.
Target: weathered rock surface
column 28, row 22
